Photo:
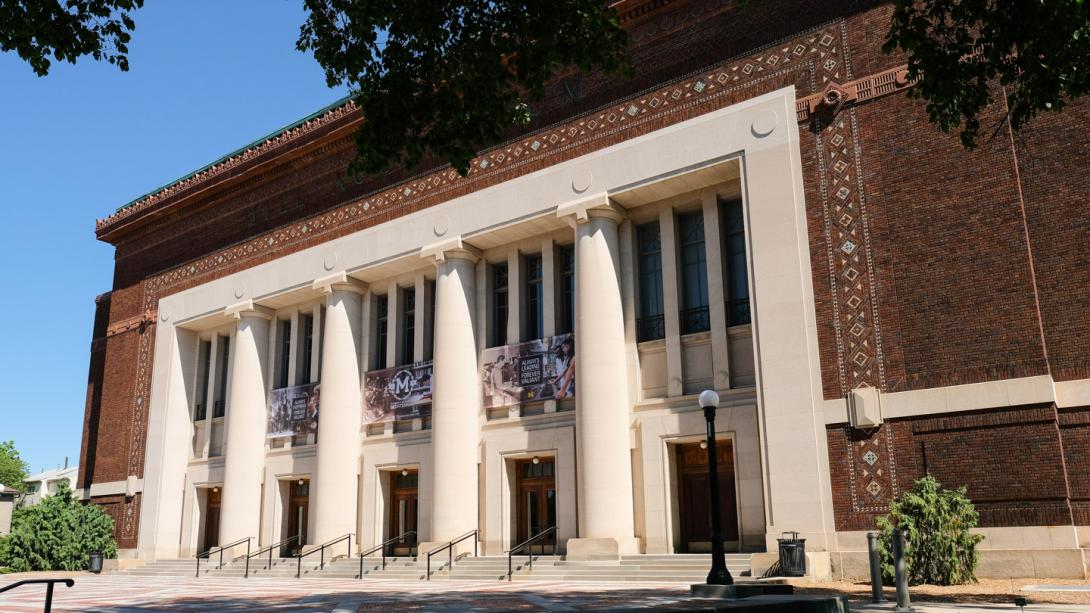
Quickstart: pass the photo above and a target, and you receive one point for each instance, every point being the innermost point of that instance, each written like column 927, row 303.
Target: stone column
column 336, row 479
column 244, row 451
column 603, row 457
column 456, row 397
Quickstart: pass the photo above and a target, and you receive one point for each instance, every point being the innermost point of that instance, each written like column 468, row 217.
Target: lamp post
column 719, row 574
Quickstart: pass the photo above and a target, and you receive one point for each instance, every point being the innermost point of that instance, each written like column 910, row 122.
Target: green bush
column 940, row 548
column 57, row 534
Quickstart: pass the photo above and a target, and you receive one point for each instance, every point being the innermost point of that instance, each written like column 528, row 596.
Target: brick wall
column 1011, row 461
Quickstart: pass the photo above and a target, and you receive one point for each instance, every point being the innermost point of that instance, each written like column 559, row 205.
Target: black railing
column 48, row 588
column 650, row 328
column 695, row 320
column 529, row 543
column 219, row 550
column 450, row 551
column 272, row 547
column 321, row 551
column 738, row 312
column 383, row 547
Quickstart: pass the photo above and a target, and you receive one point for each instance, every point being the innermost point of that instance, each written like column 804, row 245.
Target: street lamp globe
column 708, row 399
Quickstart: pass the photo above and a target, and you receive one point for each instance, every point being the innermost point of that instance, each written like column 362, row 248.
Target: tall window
column 535, row 316
column 382, row 333
column 499, row 304
column 219, row 407
column 285, row 354
column 408, row 324
column 734, row 234
column 200, row 408
column 567, row 290
column 307, row 348
column 649, row 249
column 694, row 273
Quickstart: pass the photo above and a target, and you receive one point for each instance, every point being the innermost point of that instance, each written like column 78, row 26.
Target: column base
column 601, row 548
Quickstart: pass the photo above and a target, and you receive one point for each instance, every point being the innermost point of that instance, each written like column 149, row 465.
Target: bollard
column 900, row 573
column 875, row 568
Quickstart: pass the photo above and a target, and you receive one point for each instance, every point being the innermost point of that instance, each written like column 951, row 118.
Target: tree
column 57, row 534
column 1036, row 50
column 12, row 467
column 940, row 547
column 446, row 78
column 67, row 30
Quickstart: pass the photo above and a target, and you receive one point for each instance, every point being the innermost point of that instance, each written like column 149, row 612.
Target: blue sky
column 206, row 77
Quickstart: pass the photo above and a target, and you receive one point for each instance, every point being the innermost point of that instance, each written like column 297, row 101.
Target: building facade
column 289, row 352
column 45, row 483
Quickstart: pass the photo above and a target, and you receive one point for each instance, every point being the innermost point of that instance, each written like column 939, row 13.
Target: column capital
column 453, row 248
column 598, row 205
column 248, row 309
column 338, row 281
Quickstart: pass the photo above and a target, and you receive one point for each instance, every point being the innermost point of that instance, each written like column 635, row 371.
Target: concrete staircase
column 678, row 568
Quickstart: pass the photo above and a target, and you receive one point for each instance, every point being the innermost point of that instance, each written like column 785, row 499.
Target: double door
column 403, row 507
column 298, row 516
column 211, row 519
column 535, row 507
column 694, row 504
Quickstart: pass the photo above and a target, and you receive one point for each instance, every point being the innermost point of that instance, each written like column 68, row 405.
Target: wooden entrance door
column 403, row 504
column 298, row 515
column 535, row 507
column 211, row 519
column 693, row 505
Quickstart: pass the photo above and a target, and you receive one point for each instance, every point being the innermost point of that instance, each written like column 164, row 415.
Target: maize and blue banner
column 533, row 371
column 292, row 411
column 401, row 392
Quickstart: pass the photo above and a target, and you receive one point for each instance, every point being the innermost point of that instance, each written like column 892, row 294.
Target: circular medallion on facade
column 441, row 225
column 240, row 289
column 330, row 260
column 581, row 181
column 763, row 124
column 164, row 312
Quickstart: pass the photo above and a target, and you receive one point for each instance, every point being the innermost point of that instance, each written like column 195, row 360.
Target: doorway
column 693, row 500
column 535, row 503
column 403, row 506
column 211, row 518
column 298, row 516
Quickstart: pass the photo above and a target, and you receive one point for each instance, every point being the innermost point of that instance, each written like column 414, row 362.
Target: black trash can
column 792, row 555
column 94, row 561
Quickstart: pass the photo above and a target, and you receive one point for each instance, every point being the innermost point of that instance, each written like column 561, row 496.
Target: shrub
column 57, row 534
column 940, row 548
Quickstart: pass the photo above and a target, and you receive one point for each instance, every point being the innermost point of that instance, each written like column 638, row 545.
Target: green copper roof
column 240, row 150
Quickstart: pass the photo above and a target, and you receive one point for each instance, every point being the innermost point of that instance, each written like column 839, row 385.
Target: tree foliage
column 57, row 534
column 1035, row 49
column 66, row 30
column 12, row 467
column 445, row 78
column 940, row 547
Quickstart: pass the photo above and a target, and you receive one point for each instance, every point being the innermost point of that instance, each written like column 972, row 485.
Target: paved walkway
column 131, row 594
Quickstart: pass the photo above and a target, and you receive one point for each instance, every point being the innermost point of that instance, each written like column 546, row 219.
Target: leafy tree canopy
column 941, row 547
column 12, row 467
column 446, row 78
column 58, row 533
column 1035, row 49
column 66, row 30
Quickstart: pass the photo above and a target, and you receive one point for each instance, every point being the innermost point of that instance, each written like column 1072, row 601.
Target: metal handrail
column 48, row 589
column 383, row 546
column 450, row 551
column 321, row 548
column 529, row 542
column 220, row 550
column 270, row 548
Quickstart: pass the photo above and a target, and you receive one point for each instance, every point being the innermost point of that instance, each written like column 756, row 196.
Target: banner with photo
column 292, row 411
column 401, row 392
column 529, row 372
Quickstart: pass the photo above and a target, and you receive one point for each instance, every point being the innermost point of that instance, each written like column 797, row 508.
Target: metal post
column 875, row 568
column 719, row 574
column 48, row 597
column 221, row 559
column 900, row 572
column 246, row 573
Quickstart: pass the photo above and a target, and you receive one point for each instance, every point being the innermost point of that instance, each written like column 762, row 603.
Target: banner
column 401, row 392
column 293, row 410
column 529, row 372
